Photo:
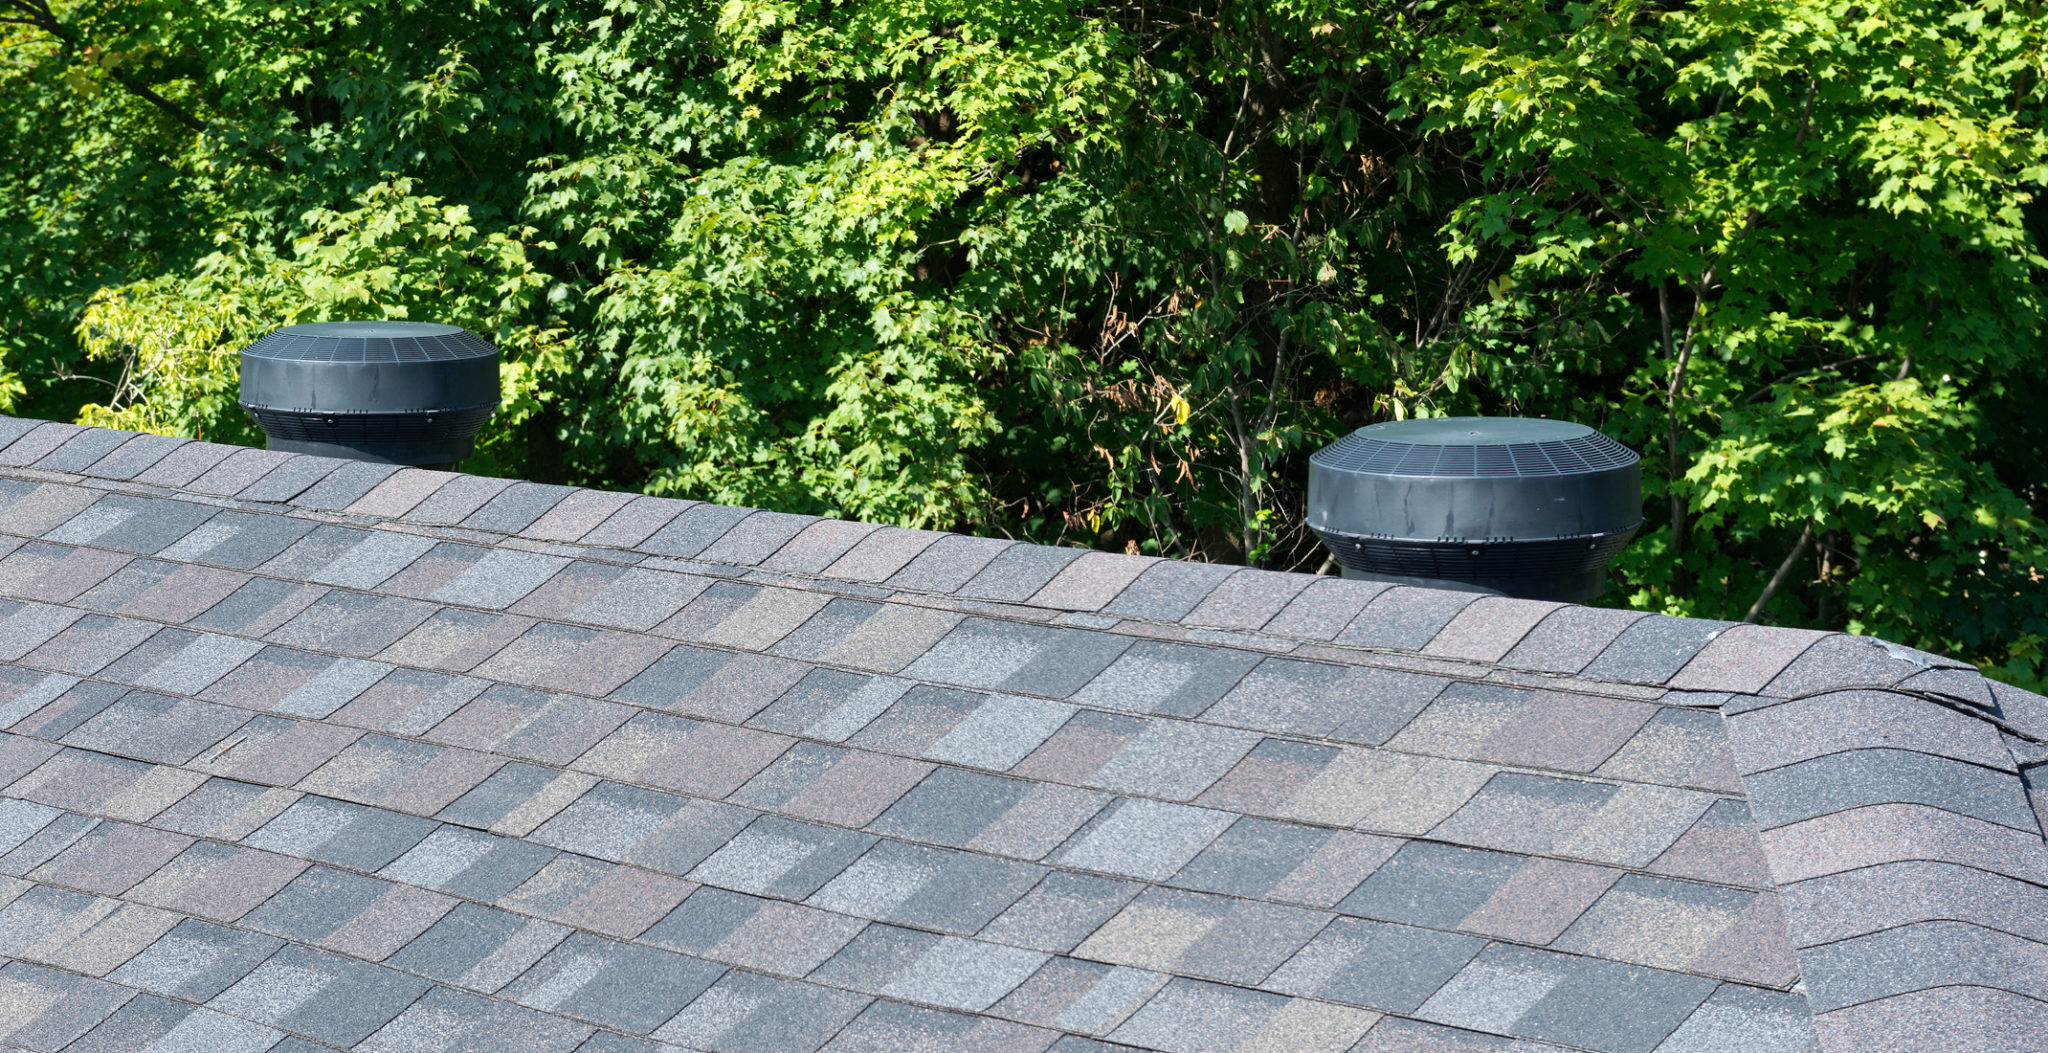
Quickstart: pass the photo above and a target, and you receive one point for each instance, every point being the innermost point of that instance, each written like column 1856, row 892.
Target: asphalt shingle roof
column 307, row 754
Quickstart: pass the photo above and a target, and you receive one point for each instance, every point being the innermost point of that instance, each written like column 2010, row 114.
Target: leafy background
column 1105, row 273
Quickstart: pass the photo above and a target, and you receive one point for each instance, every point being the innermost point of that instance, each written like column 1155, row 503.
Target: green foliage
column 1106, row 274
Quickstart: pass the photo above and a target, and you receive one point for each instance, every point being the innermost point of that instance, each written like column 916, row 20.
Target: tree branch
column 1784, row 571
column 40, row 16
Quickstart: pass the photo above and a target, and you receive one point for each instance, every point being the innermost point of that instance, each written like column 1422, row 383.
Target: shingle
column 468, row 863
column 559, row 597
column 1385, row 791
column 1744, row 658
column 352, row 624
column 1016, row 572
column 348, row 483
column 1144, row 839
column 44, row 845
column 754, row 933
column 576, row 514
column 1920, row 956
column 1082, row 996
column 454, row 500
column 224, row 809
column 757, row 623
column 1009, row 656
column 216, row 881
column 1392, row 968
column 693, row 530
column 1969, row 1018
column 36, row 443
column 289, row 480
column 83, row 448
column 959, row 973
column 1166, row 678
column 113, row 940
column 154, row 1024
column 1656, row 921
column 931, row 888
column 1573, row 1001
column 781, row 857
column 1357, row 704
column 1061, row 911
column 399, row 493
column 1090, row 581
column 1195, row 1016
column 1654, row 649
column 453, row 1020
column 338, row 684
column 58, row 575
column 707, row 760
column 340, row 832
column 39, row 920
column 371, row 559
column 395, row 773
column 1400, row 1035
column 177, row 593
column 45, row 508
column 630, row 988
column 514, row 788
column 635, row 522
column 747, row 1013
column 1747, row 1019
column 819, row 545
column 1252, row 857
column 1842, row 781
column 1489, row 628
column 1404, row 618
column 1722, row 846
column 140, row 525
column 28, row 626
column 1539, row 900
column 455, row 640
column 1247, row 599
column 236, row 472
column 831, row 785
column 885, row 1024
column 935, row 563
column 551, row 729
column 478, row 947
column 999, row 732
column 133, row 457
column 322, row 901
column 640, row 599
column 1873, row 899
column 1172, row 759
column 670, row 834
column 88, row 645
column 153, row 727
column 74, row 705
column 48, row 1010
column 1531, row 814
column 12, row 428
column 1678, row 747
column 275, row 751
column 516, row 507
column 1432, row 885
column 1847, row 661
column 755, row 538
column 196, row 960
column 1846, row 720
column 1195, row 934
column 1570, row 639
column 111, row 857
column 1324, row 608
column 325, row 996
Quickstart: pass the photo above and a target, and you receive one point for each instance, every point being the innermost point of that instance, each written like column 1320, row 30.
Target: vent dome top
column 370, row 342
column 1475, row 448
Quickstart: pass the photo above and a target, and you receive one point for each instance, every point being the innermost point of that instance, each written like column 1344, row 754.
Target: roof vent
column 1508, row 505
column 390, row 392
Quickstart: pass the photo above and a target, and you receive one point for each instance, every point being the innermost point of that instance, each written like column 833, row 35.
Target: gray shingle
column 516, row 507
column 1196, row 934
column 1654, row 649
column 153, row 727
column 468, row 863
column 340, row 832
column 1873, row 899
column 1405, row 618
column 137, row 455
column 1357, row 704
column 51, row 1009
column 1570, row 639
column 1015, row 573
column 1579, row 1002
column 1920, row 956
column 151, row 1023
column 753, row 933
column 1144, row 839
column 750, row 1013
column 345, row 485
column 693, row 530
column 236, row 472
column 947, row 564
column 36, row 443
column 12, row 428
column 884, row 1024
column 781, row 857
column 325, row 996
column 632, row 825
column 1194, row 1016
column 289, row 479
column 1168, row 590
column 617, row 985
column 1880, row 776
column 1431, row 885
column 1392, row 968
column 1748, row 1019
column 455, row 1020
column 455, row 500
column 930, row 888
column 1252, row 857
column 1061, row 911
column 635, row 522
column 755, row 538
column 1324, row 608
column 478, row 947
column 1247, row 599
column 240, row 540
column 1175, row 679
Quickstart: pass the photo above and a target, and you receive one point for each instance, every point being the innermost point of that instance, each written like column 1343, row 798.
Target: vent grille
column 1592, row 452
column 1476, row 563
column 366, row 429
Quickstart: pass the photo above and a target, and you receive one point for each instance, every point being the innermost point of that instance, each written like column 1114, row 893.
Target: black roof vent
column 1509, row 505
column 390, row 392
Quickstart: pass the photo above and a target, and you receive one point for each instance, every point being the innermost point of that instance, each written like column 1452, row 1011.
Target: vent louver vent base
column 1518, row 507
column 390, row 392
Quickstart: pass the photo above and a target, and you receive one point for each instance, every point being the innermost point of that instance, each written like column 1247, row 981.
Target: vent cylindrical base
column 386, row 392
column 1568, row 570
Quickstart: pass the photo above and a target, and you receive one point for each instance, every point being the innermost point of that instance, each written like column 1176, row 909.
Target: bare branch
column 1784, row 571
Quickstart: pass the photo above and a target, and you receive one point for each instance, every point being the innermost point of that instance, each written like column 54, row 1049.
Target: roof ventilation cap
column 390, row 392
column 1515, row 506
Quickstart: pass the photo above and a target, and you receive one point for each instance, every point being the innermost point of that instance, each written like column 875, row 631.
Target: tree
column 1106, row 274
